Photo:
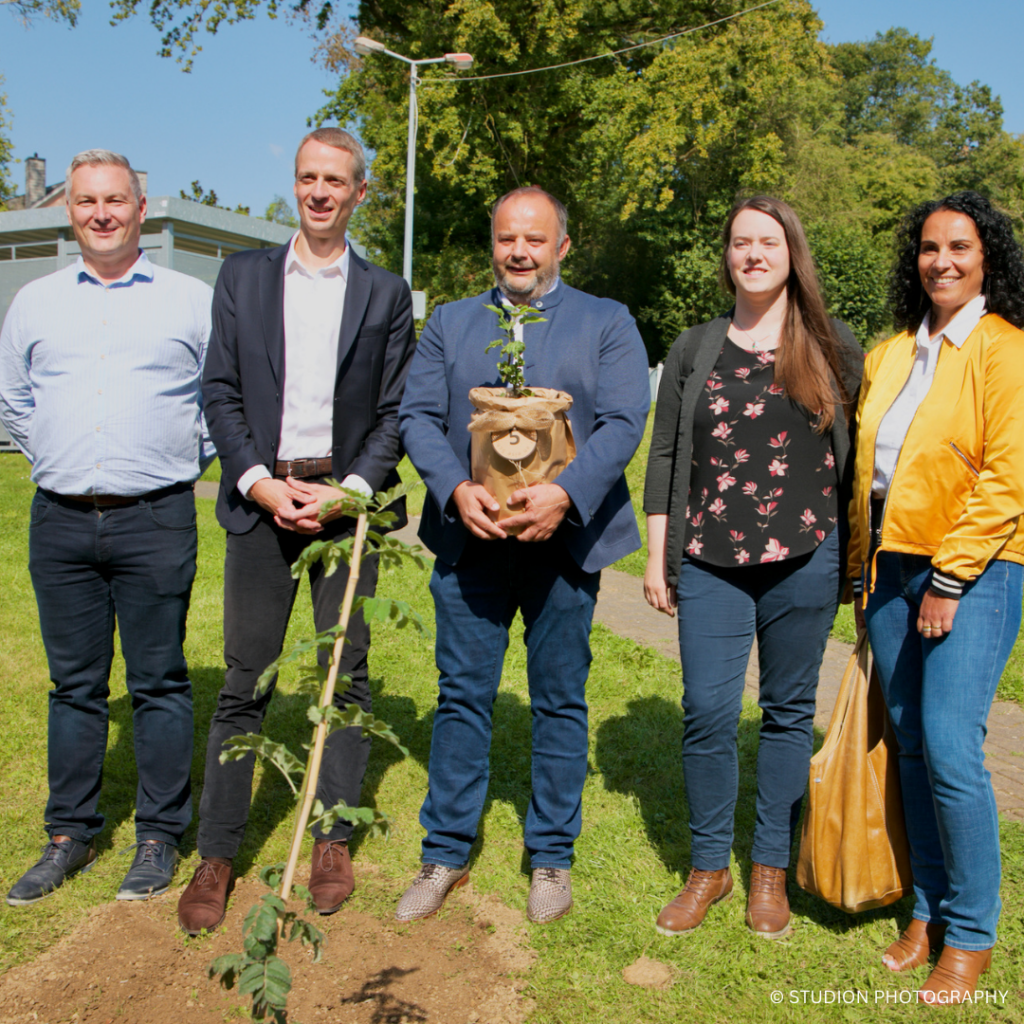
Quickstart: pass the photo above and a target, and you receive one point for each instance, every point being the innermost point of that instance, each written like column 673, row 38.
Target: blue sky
column 234, row 121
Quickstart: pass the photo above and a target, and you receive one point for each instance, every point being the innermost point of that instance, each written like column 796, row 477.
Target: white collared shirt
column 893, row 430
column 314, row 301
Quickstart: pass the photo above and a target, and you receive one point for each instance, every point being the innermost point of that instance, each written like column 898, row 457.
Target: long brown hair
column 808, row 363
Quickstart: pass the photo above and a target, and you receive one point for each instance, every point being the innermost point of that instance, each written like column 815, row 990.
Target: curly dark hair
column 1004, row 261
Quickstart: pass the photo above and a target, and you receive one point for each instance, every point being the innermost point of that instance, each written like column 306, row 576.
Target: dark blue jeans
column 790, row 606
column 132, row 566
column 939, row 693
column 475, row 603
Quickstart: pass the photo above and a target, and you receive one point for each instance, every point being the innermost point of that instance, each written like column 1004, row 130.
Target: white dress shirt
column 313, row 304
column 893, row 430
column 100, row 382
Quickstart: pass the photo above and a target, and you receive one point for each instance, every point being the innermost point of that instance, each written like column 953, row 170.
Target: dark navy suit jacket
column 245, row 370
column 589, row 347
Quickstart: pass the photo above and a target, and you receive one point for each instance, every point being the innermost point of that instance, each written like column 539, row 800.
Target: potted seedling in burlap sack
column 520, row 435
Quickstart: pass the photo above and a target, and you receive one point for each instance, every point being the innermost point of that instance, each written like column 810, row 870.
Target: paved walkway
column 622, row 608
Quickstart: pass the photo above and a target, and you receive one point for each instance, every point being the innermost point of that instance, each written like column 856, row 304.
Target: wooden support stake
column 308, row 794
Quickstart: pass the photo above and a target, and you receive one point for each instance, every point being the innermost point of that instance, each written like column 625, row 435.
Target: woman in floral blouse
column 745, row 490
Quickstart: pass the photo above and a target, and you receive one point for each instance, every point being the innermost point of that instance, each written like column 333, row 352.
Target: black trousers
column 258, row 596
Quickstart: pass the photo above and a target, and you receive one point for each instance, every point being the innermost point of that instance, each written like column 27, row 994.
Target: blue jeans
column 133, row 566
column 939, row 693
column 790, row 606
column 475, row 603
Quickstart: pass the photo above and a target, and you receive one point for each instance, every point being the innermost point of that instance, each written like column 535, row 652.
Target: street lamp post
column 364, row 45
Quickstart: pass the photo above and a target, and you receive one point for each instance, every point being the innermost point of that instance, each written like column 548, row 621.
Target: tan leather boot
column 955, row 975
column 688, row 909
column 331, row 879
column 204, row 902
column 915, row 945
column 767, row 903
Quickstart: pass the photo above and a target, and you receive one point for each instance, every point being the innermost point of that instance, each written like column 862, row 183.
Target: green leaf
column 276, row 753
column 331, row 553
column 264, row 926
column 379, row 823
column 297, row 652
column 353, row 715
column 228, row 967
column 271, row 875
column 386, row 609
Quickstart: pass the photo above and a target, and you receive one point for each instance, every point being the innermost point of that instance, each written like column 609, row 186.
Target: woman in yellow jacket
column 936, row 557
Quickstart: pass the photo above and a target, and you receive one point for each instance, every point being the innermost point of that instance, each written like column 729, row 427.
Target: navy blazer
column 589, row 347
column 245, row 368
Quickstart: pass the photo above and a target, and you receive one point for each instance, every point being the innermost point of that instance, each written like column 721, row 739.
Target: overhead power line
column 600, row 56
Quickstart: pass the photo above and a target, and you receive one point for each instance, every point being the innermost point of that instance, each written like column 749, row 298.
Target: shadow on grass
column 639, row 754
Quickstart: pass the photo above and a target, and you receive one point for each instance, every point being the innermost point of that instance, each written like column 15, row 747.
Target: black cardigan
column 687, row 368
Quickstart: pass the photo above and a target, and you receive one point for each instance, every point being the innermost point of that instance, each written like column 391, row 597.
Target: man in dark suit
column 570, row 530
column 308, row 358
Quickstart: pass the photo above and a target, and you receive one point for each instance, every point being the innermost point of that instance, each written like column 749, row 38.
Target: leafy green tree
column 58, row 10
column 181, row 21
column 853, row 270
column 197, row 194
column 280, row 212
column 644, row 148
column 891, row 86
column 6, row 150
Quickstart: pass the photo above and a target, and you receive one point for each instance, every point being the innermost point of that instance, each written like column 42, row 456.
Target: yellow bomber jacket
column 957, row 493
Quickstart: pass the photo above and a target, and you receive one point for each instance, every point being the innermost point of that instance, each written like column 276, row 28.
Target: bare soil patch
column 648, row 973
column 128, row 963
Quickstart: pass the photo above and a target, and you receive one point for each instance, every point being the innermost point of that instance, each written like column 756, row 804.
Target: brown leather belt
column 94, row 501
column 300, row 468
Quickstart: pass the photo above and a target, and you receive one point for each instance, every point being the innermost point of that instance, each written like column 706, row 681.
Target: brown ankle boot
column 915, row 945
column 687, row 910
column 204, row 902
column 955, row 975
column 331, row 880
column 767, row 903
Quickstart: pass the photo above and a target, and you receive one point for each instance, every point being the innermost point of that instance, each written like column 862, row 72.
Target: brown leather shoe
column 767, row 903
column 331, row 880
column 915, row 945
column 954, row 976
column 204, row 902
column 687, row 910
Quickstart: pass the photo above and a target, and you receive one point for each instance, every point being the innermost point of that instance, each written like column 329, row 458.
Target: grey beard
column 544, row 280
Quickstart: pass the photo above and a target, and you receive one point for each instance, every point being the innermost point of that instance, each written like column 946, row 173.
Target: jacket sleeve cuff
column 949, row 587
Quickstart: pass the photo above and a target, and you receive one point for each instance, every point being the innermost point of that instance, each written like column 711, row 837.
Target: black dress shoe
column 62, row 857
column 151, row 871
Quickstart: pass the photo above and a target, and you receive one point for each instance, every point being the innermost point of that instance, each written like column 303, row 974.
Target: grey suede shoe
column 550, row 895
column 427, row 893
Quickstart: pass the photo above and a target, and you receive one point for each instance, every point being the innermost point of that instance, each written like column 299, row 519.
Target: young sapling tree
column 511, row 370
column 257, row 970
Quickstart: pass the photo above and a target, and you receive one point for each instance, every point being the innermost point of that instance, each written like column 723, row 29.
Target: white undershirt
column 313, row 304
column 894, row 426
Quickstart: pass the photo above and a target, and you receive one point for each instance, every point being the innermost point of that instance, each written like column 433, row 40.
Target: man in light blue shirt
column 100, row 370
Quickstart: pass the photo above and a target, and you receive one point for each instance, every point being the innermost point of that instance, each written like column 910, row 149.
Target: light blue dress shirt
column 100, row 384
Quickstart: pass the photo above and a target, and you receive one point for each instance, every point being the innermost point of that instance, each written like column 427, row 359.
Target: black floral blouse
column 763, row 483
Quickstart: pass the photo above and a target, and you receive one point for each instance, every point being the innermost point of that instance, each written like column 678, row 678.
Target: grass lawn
column 631, row 858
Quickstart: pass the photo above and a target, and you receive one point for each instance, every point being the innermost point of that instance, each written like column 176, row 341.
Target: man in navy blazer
column 308, row 358
column 571, row 529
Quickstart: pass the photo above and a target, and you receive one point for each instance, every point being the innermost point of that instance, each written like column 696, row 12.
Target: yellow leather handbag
column 853, row 850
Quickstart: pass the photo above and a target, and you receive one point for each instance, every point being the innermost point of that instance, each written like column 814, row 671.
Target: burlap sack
column 519, row 441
